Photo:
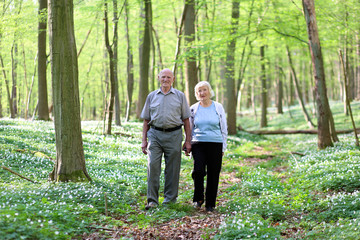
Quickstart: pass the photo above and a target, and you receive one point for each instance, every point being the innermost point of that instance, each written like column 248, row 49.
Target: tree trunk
column 348, row 101
column 253, row 98
column 70, row 160
column 110, row 105
column 153, row 61
column 280, row 88
column 291, row 92
column 298, row 90
column 130, row 65
column 179, row 36
column 1, row 108
column 105, row 90
column 190, row 60
column 43, row 108
column 144, row 59
column 160, row 63
column 14, row 79
column 279, row 100
column 243, row 65
column 286, row 92
column 357, row 69
column 7, row 87
column 230, row 69
column 115, row 59
column 26, row 85
column 3, row 70
column 264, row 101
column 323, row 108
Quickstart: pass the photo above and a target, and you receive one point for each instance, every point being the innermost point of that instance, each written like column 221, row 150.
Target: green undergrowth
column 293, row 117
column 317, row 197
column 279, row 193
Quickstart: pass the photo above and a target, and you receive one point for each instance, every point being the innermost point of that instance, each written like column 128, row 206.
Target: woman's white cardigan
column 222, row 117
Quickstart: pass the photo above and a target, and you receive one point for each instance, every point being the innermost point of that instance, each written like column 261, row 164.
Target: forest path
column 200, row 225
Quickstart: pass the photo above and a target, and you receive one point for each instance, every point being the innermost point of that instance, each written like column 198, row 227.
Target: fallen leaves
column 202, row 225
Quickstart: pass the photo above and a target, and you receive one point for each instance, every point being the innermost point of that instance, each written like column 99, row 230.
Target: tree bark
column 115, row 59
column 25, row 112
column 110, row 105
column 298, row 90
column 357, row 69
column 160, row 63
column 280, row 88
column 190, row 59
column 243, row 65
column 43, row 107
column 230, row 69
column 130, row 65
column 179, row 36
column 286, row 91
column 264, row 101
column 347, row 99
column 1, row 107
column 14, row 52
column 70, row 160
column 144, row 59
column 7, row 87
column 27, row 90
column 323, row 108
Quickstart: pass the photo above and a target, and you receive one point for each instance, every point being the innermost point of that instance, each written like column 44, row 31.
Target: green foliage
column 270, row 23
column 334, row 169
column 48, row 210
column 340, row 205
column 342, row 229
column 259, row 181
column 245, row 226
column 278, row 194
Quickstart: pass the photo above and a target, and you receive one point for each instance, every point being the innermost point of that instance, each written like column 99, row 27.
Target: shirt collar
column 170, row 91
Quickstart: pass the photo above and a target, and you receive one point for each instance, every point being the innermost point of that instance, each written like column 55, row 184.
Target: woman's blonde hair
column 203, row 84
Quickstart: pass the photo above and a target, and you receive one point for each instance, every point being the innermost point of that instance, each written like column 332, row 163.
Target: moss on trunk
column 76, row 176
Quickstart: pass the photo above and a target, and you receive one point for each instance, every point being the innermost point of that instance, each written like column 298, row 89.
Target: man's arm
column 187, row 143
column 144, row 143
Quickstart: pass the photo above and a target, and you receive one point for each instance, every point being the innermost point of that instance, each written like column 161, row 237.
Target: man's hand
column 187, row 148
column 144, row 146
column 144, row 143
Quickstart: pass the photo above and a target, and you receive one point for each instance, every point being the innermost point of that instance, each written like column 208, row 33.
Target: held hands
column 187, row 148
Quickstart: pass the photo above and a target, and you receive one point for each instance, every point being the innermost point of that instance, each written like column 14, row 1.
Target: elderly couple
column 164, row 113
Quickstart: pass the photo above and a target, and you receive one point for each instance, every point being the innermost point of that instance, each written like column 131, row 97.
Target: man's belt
column 166, row 129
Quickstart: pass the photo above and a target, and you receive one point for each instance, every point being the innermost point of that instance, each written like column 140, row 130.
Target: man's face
column 166, row 78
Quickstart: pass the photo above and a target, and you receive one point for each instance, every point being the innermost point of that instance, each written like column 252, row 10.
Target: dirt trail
column 200, row 225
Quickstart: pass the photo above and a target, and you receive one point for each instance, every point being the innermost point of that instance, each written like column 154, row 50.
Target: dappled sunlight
column 266, row 189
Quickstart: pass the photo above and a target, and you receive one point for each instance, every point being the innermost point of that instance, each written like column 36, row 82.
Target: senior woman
column 208, row 144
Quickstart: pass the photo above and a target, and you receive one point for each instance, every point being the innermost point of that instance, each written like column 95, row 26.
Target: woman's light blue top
column 207, row 125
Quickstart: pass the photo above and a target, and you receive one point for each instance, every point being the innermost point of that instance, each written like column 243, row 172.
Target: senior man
column 164, row 113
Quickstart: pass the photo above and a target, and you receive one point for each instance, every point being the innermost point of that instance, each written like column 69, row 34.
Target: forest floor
column 271, row 187
column 200, row 225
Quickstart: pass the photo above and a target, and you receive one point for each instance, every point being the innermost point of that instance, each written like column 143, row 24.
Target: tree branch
column 17, row 174
column 291, row 36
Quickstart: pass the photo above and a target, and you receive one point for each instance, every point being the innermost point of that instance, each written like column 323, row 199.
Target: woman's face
column 203, row 93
